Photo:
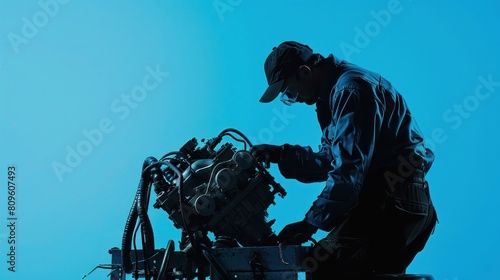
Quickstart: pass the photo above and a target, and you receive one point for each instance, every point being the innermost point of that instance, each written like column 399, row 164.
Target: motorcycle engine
column 220, row 190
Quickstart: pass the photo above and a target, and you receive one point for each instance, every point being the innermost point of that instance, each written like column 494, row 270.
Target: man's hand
column 297, row 233
column 266, row 153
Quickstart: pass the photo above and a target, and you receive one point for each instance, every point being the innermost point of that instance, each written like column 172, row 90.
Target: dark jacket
column 367, row 130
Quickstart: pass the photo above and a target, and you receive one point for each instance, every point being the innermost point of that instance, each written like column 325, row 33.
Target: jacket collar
column 334, row 69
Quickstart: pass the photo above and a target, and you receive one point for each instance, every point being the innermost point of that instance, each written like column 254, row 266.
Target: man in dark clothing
column 376, row 204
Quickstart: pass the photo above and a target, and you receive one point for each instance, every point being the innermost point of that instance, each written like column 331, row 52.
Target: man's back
column 396, row 132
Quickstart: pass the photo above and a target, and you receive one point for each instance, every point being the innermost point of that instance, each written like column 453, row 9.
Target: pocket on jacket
column 412, row 198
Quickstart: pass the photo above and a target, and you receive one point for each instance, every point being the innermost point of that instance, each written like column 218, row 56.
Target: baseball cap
column 281, row 62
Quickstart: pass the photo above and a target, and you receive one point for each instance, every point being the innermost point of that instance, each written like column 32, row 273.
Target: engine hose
column 166, row 258
column 207, row 253
column 146, row 228
column 127, row 237
column 237, row 132
column 138, row 210
column 148, row 246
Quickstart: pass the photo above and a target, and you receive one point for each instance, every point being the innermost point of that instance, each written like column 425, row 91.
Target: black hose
column 237, row 132
column 138, row 210
column 127, row 237
column 148, row 244
column 164, row 264
column 207, row 253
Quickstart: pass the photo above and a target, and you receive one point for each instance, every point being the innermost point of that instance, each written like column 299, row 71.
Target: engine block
column 224, row 191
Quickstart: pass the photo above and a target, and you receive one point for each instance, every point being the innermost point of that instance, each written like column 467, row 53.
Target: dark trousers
column 377, row 240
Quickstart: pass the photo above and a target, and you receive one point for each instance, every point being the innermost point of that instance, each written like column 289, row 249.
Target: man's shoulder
column 356, row 77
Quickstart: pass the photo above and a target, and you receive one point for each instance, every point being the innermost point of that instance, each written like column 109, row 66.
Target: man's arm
column 357, row 120
column 301, row 163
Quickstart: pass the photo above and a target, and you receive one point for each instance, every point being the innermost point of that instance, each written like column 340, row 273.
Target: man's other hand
column 297, row 233
column 266, row 153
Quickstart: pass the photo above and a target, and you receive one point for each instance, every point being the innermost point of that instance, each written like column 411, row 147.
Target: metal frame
column 242, row 263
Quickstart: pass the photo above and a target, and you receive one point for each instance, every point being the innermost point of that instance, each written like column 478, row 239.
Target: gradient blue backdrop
column 67, row 67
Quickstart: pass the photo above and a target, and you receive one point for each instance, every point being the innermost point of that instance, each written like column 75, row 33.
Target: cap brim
column 272, row 92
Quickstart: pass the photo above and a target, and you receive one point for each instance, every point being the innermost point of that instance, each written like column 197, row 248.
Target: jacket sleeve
column 301, row 163
column 356, row 118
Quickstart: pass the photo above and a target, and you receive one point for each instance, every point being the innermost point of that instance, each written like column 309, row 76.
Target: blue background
column 67, row 68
